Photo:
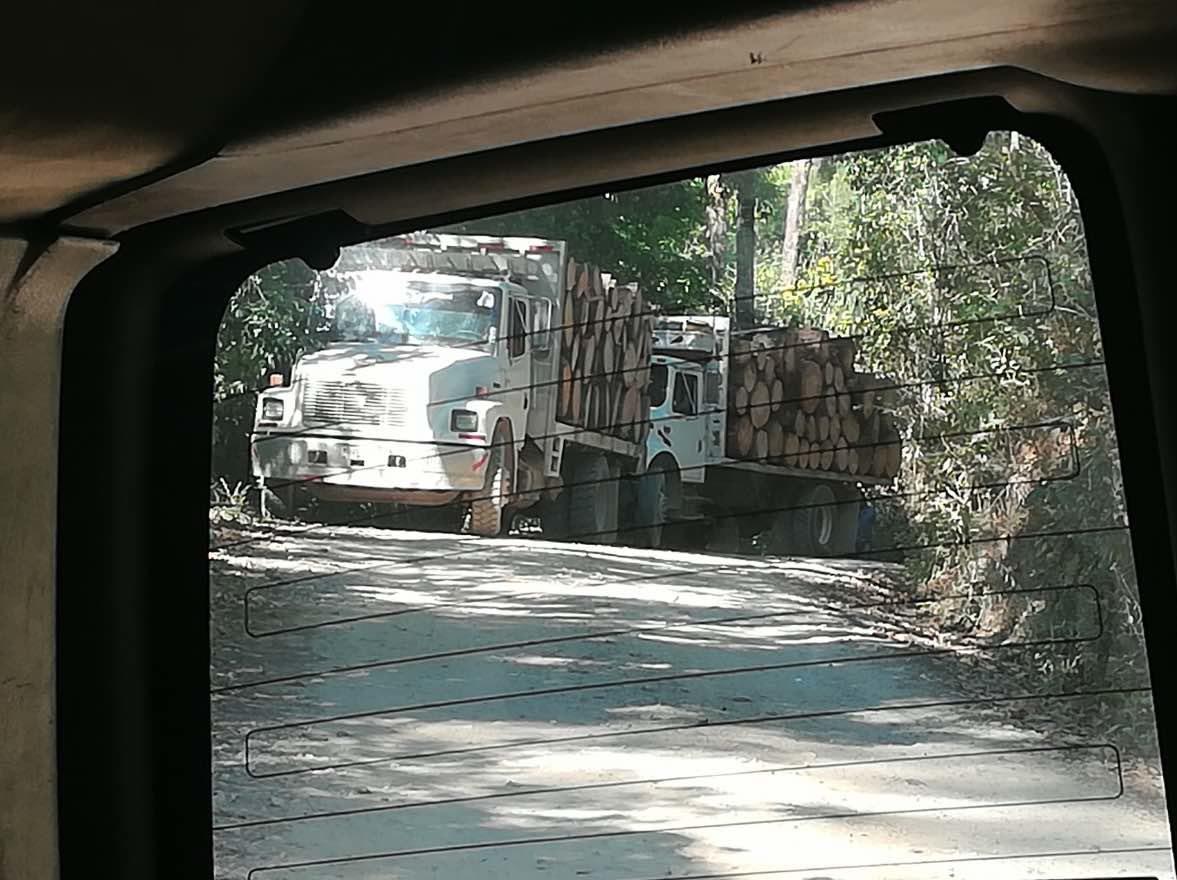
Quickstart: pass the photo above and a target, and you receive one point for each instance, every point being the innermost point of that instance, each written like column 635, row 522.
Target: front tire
column 489, row 516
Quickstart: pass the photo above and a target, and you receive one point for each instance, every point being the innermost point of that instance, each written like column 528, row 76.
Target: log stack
column 795, row 399
column 606, row 339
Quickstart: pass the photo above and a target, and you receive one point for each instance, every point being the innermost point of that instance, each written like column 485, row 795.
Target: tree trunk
column 799, row 174
column 745, row 311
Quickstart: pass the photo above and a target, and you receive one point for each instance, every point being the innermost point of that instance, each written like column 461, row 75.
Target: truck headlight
column 273, row 409
column 463, row 420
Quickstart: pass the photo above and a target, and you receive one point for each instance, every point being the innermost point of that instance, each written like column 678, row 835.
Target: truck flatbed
column 803, row 473
column 598, row 440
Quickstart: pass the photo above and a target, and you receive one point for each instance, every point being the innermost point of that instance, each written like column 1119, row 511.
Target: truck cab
column 427, row 389
column 702, row 494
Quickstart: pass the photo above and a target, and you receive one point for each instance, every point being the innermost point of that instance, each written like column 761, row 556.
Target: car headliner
column 124, row 117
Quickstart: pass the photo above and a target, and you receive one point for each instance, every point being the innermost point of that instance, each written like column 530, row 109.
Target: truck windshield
column 396, row 311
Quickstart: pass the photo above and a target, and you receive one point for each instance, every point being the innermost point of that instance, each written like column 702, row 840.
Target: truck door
column 690, row 423
column 516, row 391
column 713, row 412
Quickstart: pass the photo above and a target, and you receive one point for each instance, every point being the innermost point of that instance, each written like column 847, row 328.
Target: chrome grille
column 352, row 403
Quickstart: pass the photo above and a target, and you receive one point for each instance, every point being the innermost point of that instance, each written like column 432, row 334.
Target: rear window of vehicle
column 867, row 609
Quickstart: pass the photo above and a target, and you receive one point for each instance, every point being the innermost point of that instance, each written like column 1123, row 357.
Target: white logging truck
column 465, row 373
column 765, row 433
column 480, row 377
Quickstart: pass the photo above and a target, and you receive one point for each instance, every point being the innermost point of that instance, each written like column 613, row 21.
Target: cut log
column 830, row 401
column 841, row 455
column 843, row 403
column 758, row 405
column 761, row 445
column 760, row 346
column 823, row 428
column 811, row 430
column 776, row 441
column 588, row 356
column 750, row 375
column 836, row 428
column 866, row 394
column 792, row 447
column 788, row 353
column 631, row 406
column 745, row 437
column 776, row 394
column 852, row 461
column 602, row 355
column 810, row 385
column 827, row 455
column 846, row 348
column 568, row 317
column 839, row 379
column 741, row 401
column 629, row 365
column 741, row 354
column 591, row 400
column 565, row 391
column 851, row 428
column 866, row 459
column 799, row 423
column 870, row 430
column 828, row 373
column 810, row 345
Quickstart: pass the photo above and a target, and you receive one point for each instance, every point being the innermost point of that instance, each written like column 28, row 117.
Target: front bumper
column 356, row 463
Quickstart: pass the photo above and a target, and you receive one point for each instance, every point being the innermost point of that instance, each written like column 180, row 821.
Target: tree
column 800, row 172
column 655, row 236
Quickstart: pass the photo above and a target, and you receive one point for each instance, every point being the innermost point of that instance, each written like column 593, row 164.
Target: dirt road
column 407, row 705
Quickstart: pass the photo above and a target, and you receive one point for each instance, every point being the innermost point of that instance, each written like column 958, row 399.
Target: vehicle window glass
column 541, row 311
column 685, row 390
column 711, row 387
column 658, row 379
column 517, row 342
column 895, row 631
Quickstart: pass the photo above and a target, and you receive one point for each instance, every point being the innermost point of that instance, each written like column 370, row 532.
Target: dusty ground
column 405, row 705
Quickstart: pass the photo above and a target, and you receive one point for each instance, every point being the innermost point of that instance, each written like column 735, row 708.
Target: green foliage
column 965, row 279
column 1002, row 334
column 279, row 313
column 654, row 236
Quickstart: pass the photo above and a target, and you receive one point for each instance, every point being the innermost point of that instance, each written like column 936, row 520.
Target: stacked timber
column 606, row 339
column 795, row 399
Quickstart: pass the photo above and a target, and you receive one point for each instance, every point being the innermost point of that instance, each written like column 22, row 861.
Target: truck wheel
column 274, row 506
column 488, row 513
column 592, row 500
column 823, row 523
column 653, row 504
